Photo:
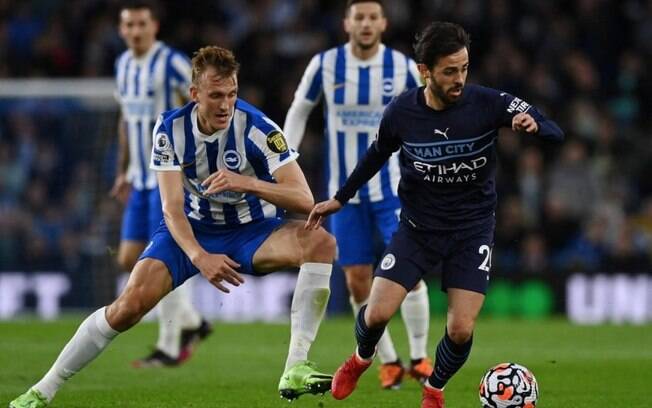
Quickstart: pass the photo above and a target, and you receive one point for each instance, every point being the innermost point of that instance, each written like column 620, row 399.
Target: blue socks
column 367, row 338
column 450, row 357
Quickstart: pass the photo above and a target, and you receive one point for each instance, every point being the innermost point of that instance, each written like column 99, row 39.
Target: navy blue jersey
column 448, row 157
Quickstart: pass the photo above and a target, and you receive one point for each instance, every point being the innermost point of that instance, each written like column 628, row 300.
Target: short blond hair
column 219, row 58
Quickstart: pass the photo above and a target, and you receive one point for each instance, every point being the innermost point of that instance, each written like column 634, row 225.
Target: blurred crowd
column 583, row 205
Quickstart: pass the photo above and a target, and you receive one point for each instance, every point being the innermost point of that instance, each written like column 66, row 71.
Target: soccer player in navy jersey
column 446, row 133
column 356, row 81
column 151, row 78
column 225, row 175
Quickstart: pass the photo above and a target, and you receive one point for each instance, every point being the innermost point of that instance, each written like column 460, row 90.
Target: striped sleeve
column 180, row 73
column 119, row 76
column 413, row 75
column 306, row 97
column 271, row 144
column 163, row 156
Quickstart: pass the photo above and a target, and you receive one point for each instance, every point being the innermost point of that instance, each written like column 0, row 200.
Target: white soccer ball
column 509, row 385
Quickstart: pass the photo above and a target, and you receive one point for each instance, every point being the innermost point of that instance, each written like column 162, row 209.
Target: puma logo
column 443, row 133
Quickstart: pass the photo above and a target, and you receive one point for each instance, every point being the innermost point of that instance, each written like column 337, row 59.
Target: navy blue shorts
column 239, row 243
column 462, row 256
column 142, row 215
column 354, row 227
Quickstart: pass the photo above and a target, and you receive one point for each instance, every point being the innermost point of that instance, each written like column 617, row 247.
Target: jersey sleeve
column 306, row 97
column 507, row 106
column 119, row 77
column 413, row 75
column 272, row 148
column 180, row 74
column 388, row 140
column 163, row 156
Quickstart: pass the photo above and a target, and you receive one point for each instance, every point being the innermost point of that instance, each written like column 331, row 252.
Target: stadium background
column 574, row 230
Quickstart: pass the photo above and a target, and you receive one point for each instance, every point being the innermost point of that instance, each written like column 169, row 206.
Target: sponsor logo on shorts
column 388, row 262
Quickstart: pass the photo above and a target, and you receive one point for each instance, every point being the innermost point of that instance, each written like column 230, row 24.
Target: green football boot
column 303, row 378
column 30, row 399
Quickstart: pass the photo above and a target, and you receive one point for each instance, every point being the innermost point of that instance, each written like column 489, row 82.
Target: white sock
column 169, row 323
column 189, row 317
column 92, row 336
column 415, row 311
column 308, row 307
column 385, row 350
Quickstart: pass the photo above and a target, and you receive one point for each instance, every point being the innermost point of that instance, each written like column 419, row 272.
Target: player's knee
column 460, row 332
column 359, row 284
column 126, row 311
column 319, row 247
column 376, row 317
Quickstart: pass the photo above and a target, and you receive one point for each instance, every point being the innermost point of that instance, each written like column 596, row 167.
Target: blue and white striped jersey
column 356, row 92
column 252, row 145
column 147, row 86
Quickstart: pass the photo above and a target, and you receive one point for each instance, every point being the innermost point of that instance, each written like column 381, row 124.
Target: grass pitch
column 240, row 365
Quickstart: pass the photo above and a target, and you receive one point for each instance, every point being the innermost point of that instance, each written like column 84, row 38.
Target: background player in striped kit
column 226, row 175
column 151, row 78
column 357, row 80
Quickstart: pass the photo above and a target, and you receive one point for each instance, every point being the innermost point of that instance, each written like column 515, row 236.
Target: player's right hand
column 121, row 188
column 320, row 211
column 218, row 268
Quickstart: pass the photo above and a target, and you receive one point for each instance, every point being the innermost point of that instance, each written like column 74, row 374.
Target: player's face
column 365, row 23
column 138, row 29
column 447, row 78
column 215, row 97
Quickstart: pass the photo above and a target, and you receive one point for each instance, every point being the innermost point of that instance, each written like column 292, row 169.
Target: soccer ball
column 509, row 385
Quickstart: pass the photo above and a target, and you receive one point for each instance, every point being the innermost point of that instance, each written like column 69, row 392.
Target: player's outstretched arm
column 217, row 268
column 291, row 190
column 538, row 124
column 121, row 187
column 321, row 210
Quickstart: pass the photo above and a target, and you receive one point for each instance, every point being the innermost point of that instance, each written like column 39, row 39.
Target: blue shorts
column 462, row 256
column 239, row 243
column 142, row 215
column 354, row 226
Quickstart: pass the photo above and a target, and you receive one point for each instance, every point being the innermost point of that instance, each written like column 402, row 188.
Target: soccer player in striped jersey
column 446, row 133
column 225, row 175
column 151, row 78
column 357, row 80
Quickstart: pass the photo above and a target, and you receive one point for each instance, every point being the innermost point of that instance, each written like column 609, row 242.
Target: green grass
column 240, row 364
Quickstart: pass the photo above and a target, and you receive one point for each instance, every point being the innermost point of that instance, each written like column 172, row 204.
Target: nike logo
column 337, row 86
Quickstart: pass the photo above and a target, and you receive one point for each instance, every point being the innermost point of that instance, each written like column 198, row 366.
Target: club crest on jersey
column 388, row 87
column 276, row 142
column 232, row 159
column 388, row 262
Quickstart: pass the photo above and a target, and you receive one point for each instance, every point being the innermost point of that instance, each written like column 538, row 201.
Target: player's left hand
column 524, row 122
column 320, row 211
column 226, row 180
